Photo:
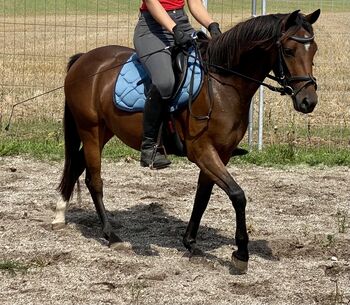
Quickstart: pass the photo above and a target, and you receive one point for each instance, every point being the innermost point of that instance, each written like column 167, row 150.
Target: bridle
column 286, row 81
column 282, row 78
column 282, row 74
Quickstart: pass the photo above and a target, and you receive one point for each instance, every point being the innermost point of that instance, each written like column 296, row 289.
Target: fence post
column 261, row 97
column 251, row 109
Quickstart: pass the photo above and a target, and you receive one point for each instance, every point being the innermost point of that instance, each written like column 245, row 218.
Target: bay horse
column 237, row 63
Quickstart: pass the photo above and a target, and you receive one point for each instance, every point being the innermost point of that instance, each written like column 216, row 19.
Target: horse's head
column 297, row 48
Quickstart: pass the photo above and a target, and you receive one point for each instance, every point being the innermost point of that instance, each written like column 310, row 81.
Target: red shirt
column 167, row 4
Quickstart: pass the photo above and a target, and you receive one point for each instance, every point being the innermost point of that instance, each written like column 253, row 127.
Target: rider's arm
column 199, row 12
column 159, row 13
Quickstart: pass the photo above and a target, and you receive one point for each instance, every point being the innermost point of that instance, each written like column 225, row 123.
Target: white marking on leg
column 60, row 213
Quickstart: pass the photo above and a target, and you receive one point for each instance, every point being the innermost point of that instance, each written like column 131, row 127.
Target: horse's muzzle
column 305, row 102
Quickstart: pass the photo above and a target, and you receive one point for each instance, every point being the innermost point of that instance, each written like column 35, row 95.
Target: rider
column 163, row 23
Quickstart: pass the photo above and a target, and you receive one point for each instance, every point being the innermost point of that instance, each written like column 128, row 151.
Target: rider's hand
column 182, row 39
column 214, row 29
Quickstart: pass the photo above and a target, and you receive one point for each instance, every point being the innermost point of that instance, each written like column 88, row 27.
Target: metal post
column 253, row 8
column 261, row 97
column 251, row 109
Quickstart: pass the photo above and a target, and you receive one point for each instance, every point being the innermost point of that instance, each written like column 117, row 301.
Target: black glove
column 182, row 39
column 214, row 29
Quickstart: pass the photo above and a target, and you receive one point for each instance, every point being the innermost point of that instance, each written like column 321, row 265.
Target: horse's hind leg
column 204, row 188
column 76, row 168
column 92, row 151
column 60, row 215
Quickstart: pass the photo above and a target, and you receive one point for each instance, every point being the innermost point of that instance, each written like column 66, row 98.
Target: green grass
column 31, row 7
column 44, row 140
column 284, row 154
column 70, row 7
column 13, row 266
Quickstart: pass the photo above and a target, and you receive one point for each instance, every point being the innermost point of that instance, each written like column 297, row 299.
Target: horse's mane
column 260, row 32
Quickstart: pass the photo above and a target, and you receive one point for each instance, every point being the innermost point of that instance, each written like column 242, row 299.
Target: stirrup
column 154, row 154
column 159, row 145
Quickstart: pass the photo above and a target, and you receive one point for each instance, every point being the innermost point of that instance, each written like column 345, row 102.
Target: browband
column 302, row 39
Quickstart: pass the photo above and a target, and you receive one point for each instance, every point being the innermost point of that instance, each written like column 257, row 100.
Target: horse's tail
column 74, row 159
column 72, row 60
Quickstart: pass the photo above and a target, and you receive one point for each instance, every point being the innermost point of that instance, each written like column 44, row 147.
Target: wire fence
column 37, row 37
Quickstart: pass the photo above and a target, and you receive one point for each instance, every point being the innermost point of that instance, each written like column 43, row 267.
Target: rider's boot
column 152, row 120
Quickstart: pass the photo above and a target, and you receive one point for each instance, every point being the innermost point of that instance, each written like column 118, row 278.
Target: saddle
column 133, row 82
column 180, row 65
column 180, row 62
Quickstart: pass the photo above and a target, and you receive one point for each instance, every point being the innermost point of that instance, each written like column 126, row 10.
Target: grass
column 13, row 266
column 31, row 7
column 36, row 48
column 286, row 154
column 44, row 140
column 52, row 7
column 342, row 221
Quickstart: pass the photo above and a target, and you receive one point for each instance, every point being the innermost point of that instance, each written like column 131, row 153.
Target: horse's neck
column 257, row 65
column 242, row 85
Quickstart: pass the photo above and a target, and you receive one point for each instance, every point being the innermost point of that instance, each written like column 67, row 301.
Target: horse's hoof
column 57, row 225
column 238, row 266
column 196, row 252
column 116, row 243
column 121, row 246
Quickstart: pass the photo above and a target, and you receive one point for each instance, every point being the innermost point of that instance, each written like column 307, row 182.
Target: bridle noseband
column 286, row 81
column 280, row 77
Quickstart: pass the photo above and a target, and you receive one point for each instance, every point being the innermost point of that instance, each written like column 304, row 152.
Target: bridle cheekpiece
column 286, row 81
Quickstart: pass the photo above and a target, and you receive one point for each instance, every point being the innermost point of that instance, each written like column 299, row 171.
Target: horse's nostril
column 305, row 102
column 307, row 105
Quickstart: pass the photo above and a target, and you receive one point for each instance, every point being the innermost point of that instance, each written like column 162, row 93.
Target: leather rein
column 282, row 78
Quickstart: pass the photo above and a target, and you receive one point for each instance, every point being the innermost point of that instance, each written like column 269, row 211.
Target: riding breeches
column 150, row 41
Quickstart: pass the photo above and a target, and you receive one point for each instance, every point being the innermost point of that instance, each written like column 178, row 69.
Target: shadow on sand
column 144, row 225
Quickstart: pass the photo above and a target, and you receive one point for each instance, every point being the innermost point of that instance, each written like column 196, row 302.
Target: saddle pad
column 132, row 82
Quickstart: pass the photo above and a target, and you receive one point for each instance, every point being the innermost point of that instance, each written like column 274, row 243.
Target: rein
column 282, row 79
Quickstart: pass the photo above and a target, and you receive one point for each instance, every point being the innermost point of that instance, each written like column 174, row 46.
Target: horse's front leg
column 213, row 167
column 204, row 188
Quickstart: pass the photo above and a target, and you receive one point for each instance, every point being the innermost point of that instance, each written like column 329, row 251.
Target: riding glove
column 214, row 29
column 182, row 39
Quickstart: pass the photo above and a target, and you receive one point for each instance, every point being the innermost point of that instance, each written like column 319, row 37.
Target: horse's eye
column 288, row 52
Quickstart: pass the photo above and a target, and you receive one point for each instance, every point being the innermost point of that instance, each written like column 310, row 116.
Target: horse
column 236, row 64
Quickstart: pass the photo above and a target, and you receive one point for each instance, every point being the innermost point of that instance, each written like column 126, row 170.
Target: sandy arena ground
column 298, row 219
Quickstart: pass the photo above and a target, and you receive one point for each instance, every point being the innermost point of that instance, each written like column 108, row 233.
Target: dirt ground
column 298, row 219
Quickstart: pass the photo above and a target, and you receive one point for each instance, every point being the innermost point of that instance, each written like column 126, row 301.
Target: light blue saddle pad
column 131, row 85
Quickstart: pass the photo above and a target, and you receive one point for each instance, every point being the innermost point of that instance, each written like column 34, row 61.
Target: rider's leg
column 152, row 119
column 156, row 58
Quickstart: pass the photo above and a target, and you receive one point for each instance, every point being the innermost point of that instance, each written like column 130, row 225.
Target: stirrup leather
column 157, row 146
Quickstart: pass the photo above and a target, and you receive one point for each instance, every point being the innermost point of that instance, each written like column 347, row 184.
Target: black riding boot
column 152, row 120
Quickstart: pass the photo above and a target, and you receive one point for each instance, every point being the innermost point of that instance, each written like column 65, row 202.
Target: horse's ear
column 312, row 18
column 290, row 20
